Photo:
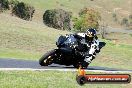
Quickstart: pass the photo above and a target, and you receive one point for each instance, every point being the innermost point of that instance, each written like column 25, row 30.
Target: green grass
column 115, row 56
column 131, row 35
column 19, row 54
column 47, row 79
column 23, row 39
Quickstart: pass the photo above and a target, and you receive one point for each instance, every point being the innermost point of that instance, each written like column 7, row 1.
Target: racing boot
column 84, row 65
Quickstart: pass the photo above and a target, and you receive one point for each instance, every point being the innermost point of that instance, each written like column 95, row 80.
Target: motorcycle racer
column 77, row 49
column 91, row 42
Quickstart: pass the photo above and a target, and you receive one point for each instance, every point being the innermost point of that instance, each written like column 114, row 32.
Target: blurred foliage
column 124, row 21
column 88, row 18
column 114, row 15
column 57, row 18
column 22, row 10
column 4, row 5
column 130, row 21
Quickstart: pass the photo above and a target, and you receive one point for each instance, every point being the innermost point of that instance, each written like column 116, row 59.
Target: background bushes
column 57, row 18
column 22, row 10
column 127, row 22
column 88, row 18
column 4, row 5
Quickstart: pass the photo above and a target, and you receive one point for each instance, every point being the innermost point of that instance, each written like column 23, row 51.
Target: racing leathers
column 91, row 48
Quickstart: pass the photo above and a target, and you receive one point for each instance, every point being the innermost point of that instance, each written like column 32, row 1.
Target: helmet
column 90, row 34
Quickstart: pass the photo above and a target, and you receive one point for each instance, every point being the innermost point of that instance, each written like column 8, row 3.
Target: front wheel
column 47, row 58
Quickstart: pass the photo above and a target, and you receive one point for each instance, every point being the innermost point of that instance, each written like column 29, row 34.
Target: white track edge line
column 30, row 69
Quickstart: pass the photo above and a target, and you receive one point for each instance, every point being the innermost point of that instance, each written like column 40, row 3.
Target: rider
column 90, row 40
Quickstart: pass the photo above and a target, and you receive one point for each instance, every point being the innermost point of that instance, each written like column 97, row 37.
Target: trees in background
column 88, row 18
column 22, row 10
column 127, row 22
column 19, row 9
column 130, row 21
column 4, row 5
column 114, row 15
column 57, row 18
column 61, row 19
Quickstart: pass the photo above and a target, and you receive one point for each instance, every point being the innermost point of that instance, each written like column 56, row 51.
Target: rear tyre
column 47, row 58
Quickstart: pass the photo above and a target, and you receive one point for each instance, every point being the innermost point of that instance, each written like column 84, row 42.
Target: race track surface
column 24, row 64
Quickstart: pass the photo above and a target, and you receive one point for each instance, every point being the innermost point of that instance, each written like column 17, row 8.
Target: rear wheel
column 47, row 58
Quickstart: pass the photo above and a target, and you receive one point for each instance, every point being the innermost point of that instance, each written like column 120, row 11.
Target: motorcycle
column 66, row 53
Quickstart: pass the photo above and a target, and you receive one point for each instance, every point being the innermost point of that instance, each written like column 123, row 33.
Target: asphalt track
column 15, row 64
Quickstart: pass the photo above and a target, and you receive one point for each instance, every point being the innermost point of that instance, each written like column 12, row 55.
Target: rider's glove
column 89, row 58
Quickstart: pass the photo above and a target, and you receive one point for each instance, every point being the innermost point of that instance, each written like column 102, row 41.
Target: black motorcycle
column 67, row 52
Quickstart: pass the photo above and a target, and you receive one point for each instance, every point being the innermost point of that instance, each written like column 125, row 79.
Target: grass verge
column 47, row 79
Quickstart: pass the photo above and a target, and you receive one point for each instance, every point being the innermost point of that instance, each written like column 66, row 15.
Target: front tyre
column 47, row 58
